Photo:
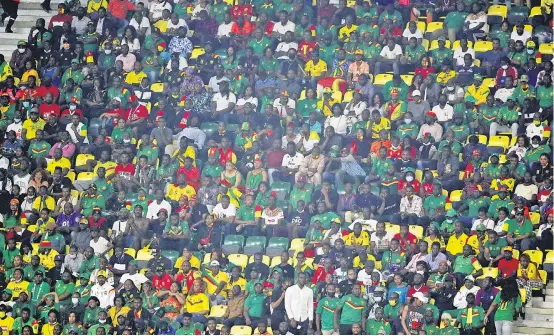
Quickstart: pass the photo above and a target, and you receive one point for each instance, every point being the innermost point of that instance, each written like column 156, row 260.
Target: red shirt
column 275, row 159
column 241, row 10
column 192, row 175
column 507, row 268
column 424, row 72
column 46, row 110
column 119, row 9
column 125, row 171
column 396, row 31
column 12, row 93
column 305, row 49
column 185, row 280
column 320, row 275
column 98, row 224
column 403, row 242
column 415, row 183
column 395, row 153
column 136, row 113
column 43, row 90
column 412, row 290
column 246, row 29
column 269, row 28
column 428, row 188
column 225, row 156
column 183, row 123
column 59, row 19
column 163, row 282
column 68, row 112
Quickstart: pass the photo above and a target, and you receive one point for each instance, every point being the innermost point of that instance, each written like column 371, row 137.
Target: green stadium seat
column 254, row 245
column 171, row 255
column 232, row 244
column 282, row 189
column 232, row 128
column 276, row 245
column 209, row 128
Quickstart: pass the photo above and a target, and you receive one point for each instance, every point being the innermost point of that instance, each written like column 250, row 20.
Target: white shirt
column 532, row 130
column 284, row 47
column 182, row 63
column 180, row 23
column 297, row 139
column 154, row 208
column 281, row 29
column 340, row 124
column 144, row 23
column 503, row 94
column 391, row 54
column 157, row 8
column 137, row 278
column 22, row 182
column 526, row 191
column 100, row 246
column 119, row 227
column 443, row 114
column 291, row 103
column 16, row 127
column 80, row 128
column 488, row 223
column 222, row 102
column 459, row 55
column 460, row 298
column 251, row 100
column 523, row 37
column 292, row 162
column 194, row 133
column 358, row 108
column 365, row 278
column 104, row 293
column 225, row 28
column 213, row 84
column 408, row 34
column 224, row 213
column 299, row 303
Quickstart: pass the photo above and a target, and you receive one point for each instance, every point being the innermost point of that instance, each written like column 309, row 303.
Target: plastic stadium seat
column 232, row 244
column 420, row 25
column 498, row 143
column 482, row 46
column 489, row 272
column 549, row 262
column 93, row 128
column 82, row 159
column 157, row 87
column 276, row 245
column 275, row 261
column 392, row 228
column 433, row 26
column 407, row 79
column 544, row 278
column 489, row 82
column 282, row 189
column 218, row 311
column 419, row 175
column 417, row 231
column 536, row 256
column 131, row 251
column 456, row 44
column 527, row 27
column 209, row 127
column 171, row 255
column 535, row 218
column 297, row 244
column 547, row 48
column 71, row 175
column 197, row 52
column 382, row 79
column 241, row 330
column 518, row 15
column 435, row 44
column 535, row 11
column 232, row 127
column 266, row 260
column 482, row 139
column 238, row 259
column 86, row 176
column 498, row 10
column 348, row 96
column 143, row 256
column 456, row 196
column 426, row 44
column 254, row 245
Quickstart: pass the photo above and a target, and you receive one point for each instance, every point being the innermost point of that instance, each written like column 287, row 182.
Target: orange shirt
column 247, row 28
column 376, row 145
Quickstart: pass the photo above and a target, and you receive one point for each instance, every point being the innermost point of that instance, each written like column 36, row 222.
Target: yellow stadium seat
column 392, row 228
column 526, row 27
column 498, row 10
column 489, row 82
column 218, row 311
column 197, row 52
column 131, row 251
column 499, row 141
column 238, row 260
column 426, row 44
column 144, row 255
column 535, row 256
column 241, row 330
column 456, row 44
column 86, row 176
column 433, row 26
column 407, row 79
column 417, row 231
column 482, row 46
column 266, row 260
column 297, row 244
column 382, row 79
column 549, row 259
column 435, row 44
column 71, row 175
column 74, row 193
column 535, row 11
column 348, row 96
column 419, row 175
column 489, row 272
column 515, row 254
column 420, row 25
column 456, row 196
column 535, row 217
column 275, row 261
column 157, row 87
column 477, row 62
column 82, row 159
column 482, row 138
column 544, row 278
column 547, row 48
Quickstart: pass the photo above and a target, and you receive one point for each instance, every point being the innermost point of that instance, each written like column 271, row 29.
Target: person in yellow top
column 48, row 257
column 188, row 256
column 58, row 161
column 446, row 74
column 477, row 90
column 48, row 328
column 6, row 322
column 236, row 280
column 457, row 241
column 93, row 7
column 176, row 190
column 118, row 309
column 43, row 200
column 478, row 240
column 183, row 151
column 528, row 277
column 216, row 283
column 135, row 77
column 5, row 69
column 433, row 236
column 17, row 285
column 325, row 104
column 315, row 68
column 162, row 23
column 358, row 238
column 347, row 29
column 29, row 71
column 378, row 124
column 197, row 302
column 32, row 125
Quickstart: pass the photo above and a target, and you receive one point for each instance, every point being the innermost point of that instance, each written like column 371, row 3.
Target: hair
column 510, row 289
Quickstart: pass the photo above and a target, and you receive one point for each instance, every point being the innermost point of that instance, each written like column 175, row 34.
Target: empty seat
column 254, row 245
column 276, row 245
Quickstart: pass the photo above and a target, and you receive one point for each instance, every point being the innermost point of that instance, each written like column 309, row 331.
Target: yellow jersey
column 315, row 70
column 196, row 303
column 18, row 287
column 174, row 192
column 455, row 244
column 32, row 128
column 213, row 281
column 63, row 163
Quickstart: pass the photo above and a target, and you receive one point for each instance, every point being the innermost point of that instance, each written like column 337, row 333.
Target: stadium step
column 532, row 331
column 539, row 303
column 550, row 291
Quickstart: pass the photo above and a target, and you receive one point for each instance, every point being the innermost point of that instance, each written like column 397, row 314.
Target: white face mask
column 74, row 301
column 530, row 51
column 407, row 121
column 102, row 321
column 535, row 145
column 419, row 272
column 450, row 88
column 378, row 299
column 505, row 67
column 21, row 50
column 72, row 107
column 108, row 51
column 409, row 178
column 126, row 140
column 16, row 120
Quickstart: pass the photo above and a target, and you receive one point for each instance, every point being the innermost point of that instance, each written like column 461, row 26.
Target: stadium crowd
column 277, row 167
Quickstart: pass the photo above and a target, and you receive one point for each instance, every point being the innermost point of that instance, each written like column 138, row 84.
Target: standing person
column 505, row 305
column 299, row 306
column 10, row 10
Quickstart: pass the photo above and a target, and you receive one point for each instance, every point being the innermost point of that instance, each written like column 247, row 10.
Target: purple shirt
column 68, row 220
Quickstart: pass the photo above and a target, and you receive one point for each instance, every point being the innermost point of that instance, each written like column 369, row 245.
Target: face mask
column 102, row 321
column 420, row 272
column 535, row 145
column 108, row 51
column 392, row 302
column 450, row 88
column 378, row 299
column 74, row 301
column 17, row 120
column 21, row 50
column 126, row 140
column 409, row 178
column 504, row 67
column 530, row 51
column 407, row 121
column 537, row 122
column 26, row 104
column 72, row 107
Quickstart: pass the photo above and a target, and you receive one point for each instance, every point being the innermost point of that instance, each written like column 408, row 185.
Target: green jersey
column 326, row 308
column 299, row 194
column 471, row 318
column 545, row 96
column 38, row 149
column 255, row 304
column 519, row 229
column 506, row 309
column 393, row 261
column 353, row 309
column 374, row 327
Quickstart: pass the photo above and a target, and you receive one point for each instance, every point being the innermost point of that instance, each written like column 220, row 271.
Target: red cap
column 132, row 98
column 431, row 114
column 394, row 91
column 73, row 100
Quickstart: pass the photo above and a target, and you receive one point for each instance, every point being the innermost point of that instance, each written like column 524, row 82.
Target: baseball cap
column 214, row 263
column 508, row 249
column 470, row 278
column 416, row 93
column 524, row 78
column 451, row 213
column 58, row 258
column 421, row 297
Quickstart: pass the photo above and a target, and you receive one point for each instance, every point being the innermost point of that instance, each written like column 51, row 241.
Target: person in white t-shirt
column 141, row 24
column 157, row 8
column 520, row 34
column 289, row 166
column 224, row 100
column 412, row 31
column 389, row 57
column 284, row 25
column 443, row 110
column 224, row 29
column 283, row 48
